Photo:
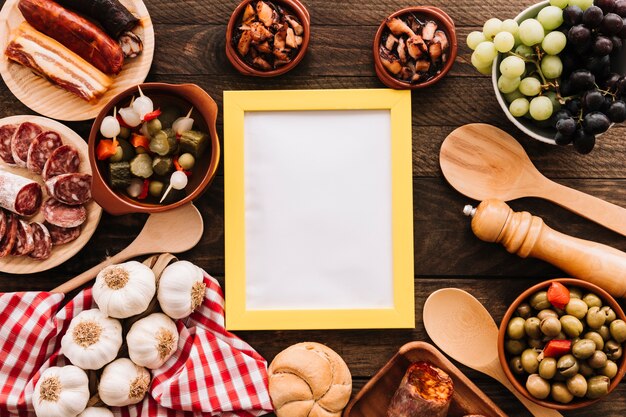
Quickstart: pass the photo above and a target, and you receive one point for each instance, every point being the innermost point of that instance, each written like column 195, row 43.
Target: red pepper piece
column 140, row 141
column 558, row 295
column 180, row 168
column 557, row 348
column 152, row 115
column 106, row 148
column 144, row 190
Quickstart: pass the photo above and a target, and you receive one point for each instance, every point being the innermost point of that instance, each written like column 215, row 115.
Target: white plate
column 52, row 101
column 60, row 253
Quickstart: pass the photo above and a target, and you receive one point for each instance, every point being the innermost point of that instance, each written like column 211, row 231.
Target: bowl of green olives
column 561, row 343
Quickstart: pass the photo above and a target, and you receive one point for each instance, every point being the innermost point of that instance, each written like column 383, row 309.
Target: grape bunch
column 557, row 68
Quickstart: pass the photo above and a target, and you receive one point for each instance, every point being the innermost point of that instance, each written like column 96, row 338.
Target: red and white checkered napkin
column 212, row 373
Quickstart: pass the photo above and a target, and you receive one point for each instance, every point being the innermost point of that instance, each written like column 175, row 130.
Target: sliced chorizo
column 24, row 243
column 40, row 150
column 64, row 160
column 72, row 189
column 25, row 134
column 6, row 136
column 63, row 235
column 63, row 215
column 42, row 242
column 19, row 194
column 8, row 241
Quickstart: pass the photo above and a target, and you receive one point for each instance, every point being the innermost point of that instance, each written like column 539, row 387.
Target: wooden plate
column 374, row 397
column 61, row 253
column 52, row 101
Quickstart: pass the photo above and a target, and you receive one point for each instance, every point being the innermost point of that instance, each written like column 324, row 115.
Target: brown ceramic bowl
column 443, row 21
column 183, row 96
column 519, row 384
column 293, row 6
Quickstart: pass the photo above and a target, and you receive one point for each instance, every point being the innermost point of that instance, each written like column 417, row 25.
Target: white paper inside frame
column 318, row 210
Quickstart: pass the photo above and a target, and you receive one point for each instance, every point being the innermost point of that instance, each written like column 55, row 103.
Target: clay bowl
column 504, row 357
column 182, row 96
column 296, row 8
column 444, row 22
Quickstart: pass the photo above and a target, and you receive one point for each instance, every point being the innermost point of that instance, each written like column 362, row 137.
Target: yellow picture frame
column 236, row 104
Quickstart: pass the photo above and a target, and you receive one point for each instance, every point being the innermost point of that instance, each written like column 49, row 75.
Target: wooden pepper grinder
column 527, row 235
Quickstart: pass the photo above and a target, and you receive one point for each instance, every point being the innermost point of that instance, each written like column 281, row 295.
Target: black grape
column 611, row 82
column 566, row 126
column 617, row 43
column 592, row 17
column 596, row 122
column 617, row 111
column 606, row 5
column 611, row 24
column 620, row 8
column 602, row 46
column 579, row 35
column 592, row 100
column 562, row 139
column 573, row 15
column 574, row 106
column 599, row 66
column 583, row 141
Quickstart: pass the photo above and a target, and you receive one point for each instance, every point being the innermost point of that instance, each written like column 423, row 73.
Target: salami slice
column 62, row 235
column 6, row 136
column 24, row 244
column 62, row 215
column 19, row 194
column 3, row 223
column 8, row 241
column 26, row 133
column 40, row 150
column 72, row 189
column 42, row 242
column 64, row 160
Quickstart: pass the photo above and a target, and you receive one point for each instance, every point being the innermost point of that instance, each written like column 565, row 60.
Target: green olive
column 550, row 326
column 613, row 350
column 538, row 387
column 560, row 393
column 618, row 330
column 515, row 347
column 598, row 340
column 118, row 155
column 585, row 370
column 536, row 343
column 155, row 188
column 187, row 161
column 597, row 360
column 609, row 313
column 524, row 310
column 583, row 348
column 547, row 368
column 604, row 332
column 124, row 132
column 567, row 366
column 595, row 318
column 577, row 385
column 592, row 300
column 577, row 308
column 571, row 325
column 597, row 386
column 515, row 329
column 154, row 126
column 547, row 312
column 575, row 292
column 610, row 369
column 539, row 300
column 531, row 327
column 530, row 363
column 516, row 365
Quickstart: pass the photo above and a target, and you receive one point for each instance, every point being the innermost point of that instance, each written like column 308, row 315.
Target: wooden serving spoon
column 483, row 162
column 155, row 237
column 462, row 328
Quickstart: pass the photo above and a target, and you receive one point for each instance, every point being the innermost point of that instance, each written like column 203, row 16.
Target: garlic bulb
column 181, row 289
column 96, row 412
column 124, row 290
column 152, row 340
column 61, row 392
column 92, row 340
column 123, row 383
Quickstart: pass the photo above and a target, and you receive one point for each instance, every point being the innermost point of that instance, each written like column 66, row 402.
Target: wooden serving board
column 61, row 253
column 52, row 101
column 374, row 397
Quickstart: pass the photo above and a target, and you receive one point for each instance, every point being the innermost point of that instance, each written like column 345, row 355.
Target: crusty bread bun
column 309, row 380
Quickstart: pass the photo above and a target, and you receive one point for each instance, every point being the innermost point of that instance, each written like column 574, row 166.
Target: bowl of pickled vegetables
column 561, row 343
column 154, row 147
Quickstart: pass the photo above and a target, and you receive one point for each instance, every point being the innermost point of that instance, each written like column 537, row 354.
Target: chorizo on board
column 64, row 160
column 24, row 243
column 19, row 195
column 26, row 133
column 62, row 235
column 111, row 14
column 6, row 136
column 63, row 215
column 40, row 150
column 42, row 242
column 72, row 189
column 8, row 241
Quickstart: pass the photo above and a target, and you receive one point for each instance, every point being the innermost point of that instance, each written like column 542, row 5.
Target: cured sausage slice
column 19, row 194
column 24, row 244
column 62, row 235
column 8, row 241
column 42, row 242
column 62, row 215
column 40, row 150
column 3, row 223
column 6, row 136
column 64, row 160
column 72, row 189
column 25, row 134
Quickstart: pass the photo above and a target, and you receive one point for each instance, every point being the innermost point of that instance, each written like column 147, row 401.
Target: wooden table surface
column 190, row 48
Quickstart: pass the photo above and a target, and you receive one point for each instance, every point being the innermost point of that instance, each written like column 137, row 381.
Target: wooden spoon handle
column 595, row 209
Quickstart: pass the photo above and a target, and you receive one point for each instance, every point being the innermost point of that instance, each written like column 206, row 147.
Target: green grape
column 530, row 86
column 512, row 96
column 556, row 105
column 511, row 26
column 583, row 4
column 474, row 38
column 531, row 32
column 486, row 52
column 524, row 51
column 492, row 27
column 504, row 41
column 559, row 3
column 519, row 107
column 550, row 17
column 551, row 66
column 512, row 66
column 508, row 85
column 485, row 70
column 540, row 108
column 554, row 42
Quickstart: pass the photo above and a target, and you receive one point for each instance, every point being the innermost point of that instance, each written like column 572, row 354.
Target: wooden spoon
column 461, row 327
column 155, row 237
column 482, row 162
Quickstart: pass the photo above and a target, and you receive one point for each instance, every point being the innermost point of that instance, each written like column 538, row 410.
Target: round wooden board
column 61, row 253
column 52, row 101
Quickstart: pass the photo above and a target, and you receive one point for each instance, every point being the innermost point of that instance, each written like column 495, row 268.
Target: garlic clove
column 152, row 340
column 181, row 289
column 96, row 412
column 61, row 392
column 123, row 383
